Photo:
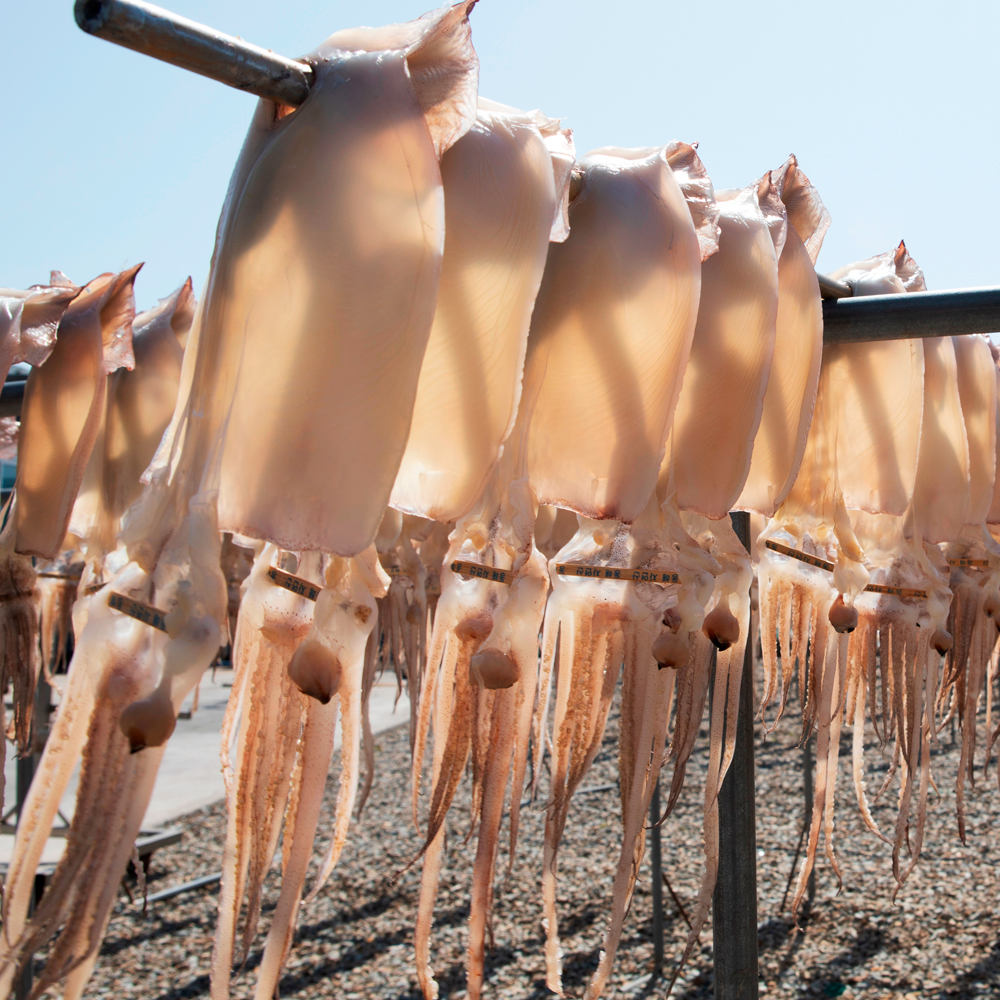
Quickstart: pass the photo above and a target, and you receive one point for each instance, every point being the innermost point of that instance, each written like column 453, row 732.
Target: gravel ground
column 940, row 938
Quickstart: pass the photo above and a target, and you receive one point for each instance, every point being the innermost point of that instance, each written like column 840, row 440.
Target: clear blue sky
column 892, row 108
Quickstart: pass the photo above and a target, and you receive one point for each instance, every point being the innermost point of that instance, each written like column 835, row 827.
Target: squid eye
column 316, row 671
column 672, row 619
column 672, row 649
column 942, row 640
column 843, row 617
column 721, row 627
column 148, row 722
column 493, row 670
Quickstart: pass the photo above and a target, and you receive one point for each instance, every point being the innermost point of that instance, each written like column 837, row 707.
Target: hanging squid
column 609, row 344
column 710, row 454
column 345, row 264
column 862, row 453
column 972, row 558
column 506, row 184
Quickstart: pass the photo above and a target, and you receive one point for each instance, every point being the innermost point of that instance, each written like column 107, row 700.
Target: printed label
column 93, row 588
column 616, row 573
column 785, row 550
column 482, row 572
column 878, row 588
column 293, row 583
column 872, row 588
column 141, row 612
column 970, row 563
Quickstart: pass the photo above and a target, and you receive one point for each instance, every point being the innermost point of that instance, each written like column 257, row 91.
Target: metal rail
column 166, row 36
column 916, row 314
column 734, row 903
column 830, row 288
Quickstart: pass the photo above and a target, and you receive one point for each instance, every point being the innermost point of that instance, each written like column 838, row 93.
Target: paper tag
column 141, row 612
column 801, row 556
column 970, row 563
column 877, row 588
column 59, row 576
column 616, row 573
column 482, row 572
column 293, row 583
column 93, row 588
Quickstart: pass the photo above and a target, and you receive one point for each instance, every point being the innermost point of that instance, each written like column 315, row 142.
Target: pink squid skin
column 138, row 407
column 610, row 336
column 863, row 453
column 706, row 462
column 600, row 627
column 29, row 321
column 468, row 719
column 102, row 680
column 63, row 409
column 343, row 619
column 60, row 419
column 346, row 263
column 801, row 220
column 273, row 621
column 505, row 182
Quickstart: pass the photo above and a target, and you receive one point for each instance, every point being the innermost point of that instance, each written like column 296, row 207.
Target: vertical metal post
column 734, row 905
column 25, row 772
column 26, row 766
column 656, row 875
column 807, row 787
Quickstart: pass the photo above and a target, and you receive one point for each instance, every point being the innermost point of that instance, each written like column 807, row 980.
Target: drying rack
column 163, row 35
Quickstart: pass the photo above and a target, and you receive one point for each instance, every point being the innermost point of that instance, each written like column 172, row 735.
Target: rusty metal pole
column 174, row 39
column 734, row 905
column 656, row 879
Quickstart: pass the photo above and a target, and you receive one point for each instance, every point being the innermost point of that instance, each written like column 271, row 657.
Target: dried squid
column 609, row 343
column 510, row 175
column 366, row 228
column 74, row 338
column 862, row 453
column 138, row 408
column 974, row 561
column 704, row 472
column 798, row 345
column 345, row 263
column 127, row 680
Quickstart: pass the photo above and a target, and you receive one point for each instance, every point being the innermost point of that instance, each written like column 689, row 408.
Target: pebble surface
column 939, row 939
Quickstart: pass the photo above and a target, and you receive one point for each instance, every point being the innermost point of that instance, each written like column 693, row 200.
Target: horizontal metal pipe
column 830, row 288
column 177, row 890
column 916, row 314
column 163, row 35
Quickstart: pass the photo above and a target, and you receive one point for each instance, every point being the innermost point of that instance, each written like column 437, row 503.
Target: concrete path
column 190, row 776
